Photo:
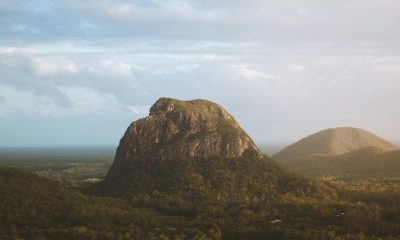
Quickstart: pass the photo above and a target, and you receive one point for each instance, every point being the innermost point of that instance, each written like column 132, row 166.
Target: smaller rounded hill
column 333, row 141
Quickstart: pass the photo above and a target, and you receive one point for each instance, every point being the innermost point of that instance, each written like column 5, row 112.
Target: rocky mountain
column 339, row 151
column 197, row 150
column 181, row 129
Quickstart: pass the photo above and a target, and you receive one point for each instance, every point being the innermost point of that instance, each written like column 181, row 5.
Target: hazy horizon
column 269, row 148
column 77, row 73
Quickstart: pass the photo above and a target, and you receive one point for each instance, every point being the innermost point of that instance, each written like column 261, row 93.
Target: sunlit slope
column 340, row 151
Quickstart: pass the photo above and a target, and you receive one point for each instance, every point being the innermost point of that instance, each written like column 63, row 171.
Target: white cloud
column 138, row 109
column 117, row 10
column 253, row 74
column 187, row 11
column 121, row 9
column 14, row 50
column 89, row 101
column 81, row 101
column 24, row 29
column 156, row 11
column 48, row 67
column 180, row 68
column 297, row 68
column 15, row 101
column 112, row 67
column 207, row 57
column 391, row 69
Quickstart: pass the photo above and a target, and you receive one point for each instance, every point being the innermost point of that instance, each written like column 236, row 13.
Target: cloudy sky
column 78, row 72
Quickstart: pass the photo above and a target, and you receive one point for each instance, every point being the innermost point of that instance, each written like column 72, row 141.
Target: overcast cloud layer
column 78, row 72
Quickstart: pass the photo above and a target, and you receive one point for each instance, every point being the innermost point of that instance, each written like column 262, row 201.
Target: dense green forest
column 237, row 203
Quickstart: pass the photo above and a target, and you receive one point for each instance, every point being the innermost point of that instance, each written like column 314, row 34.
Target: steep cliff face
column 178, row 129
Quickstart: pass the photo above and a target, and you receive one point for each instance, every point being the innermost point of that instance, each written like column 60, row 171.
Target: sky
column 79, row 72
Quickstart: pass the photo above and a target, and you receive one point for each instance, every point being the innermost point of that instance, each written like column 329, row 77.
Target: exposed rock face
column 178, row 129
column 333, row 141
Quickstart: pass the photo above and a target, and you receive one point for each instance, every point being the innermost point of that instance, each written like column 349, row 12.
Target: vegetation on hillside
column 33, row 207
column 250, row 198
column 236, row 203
column 365, row 162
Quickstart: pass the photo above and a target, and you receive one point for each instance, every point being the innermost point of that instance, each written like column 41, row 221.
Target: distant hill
column 338, row 151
